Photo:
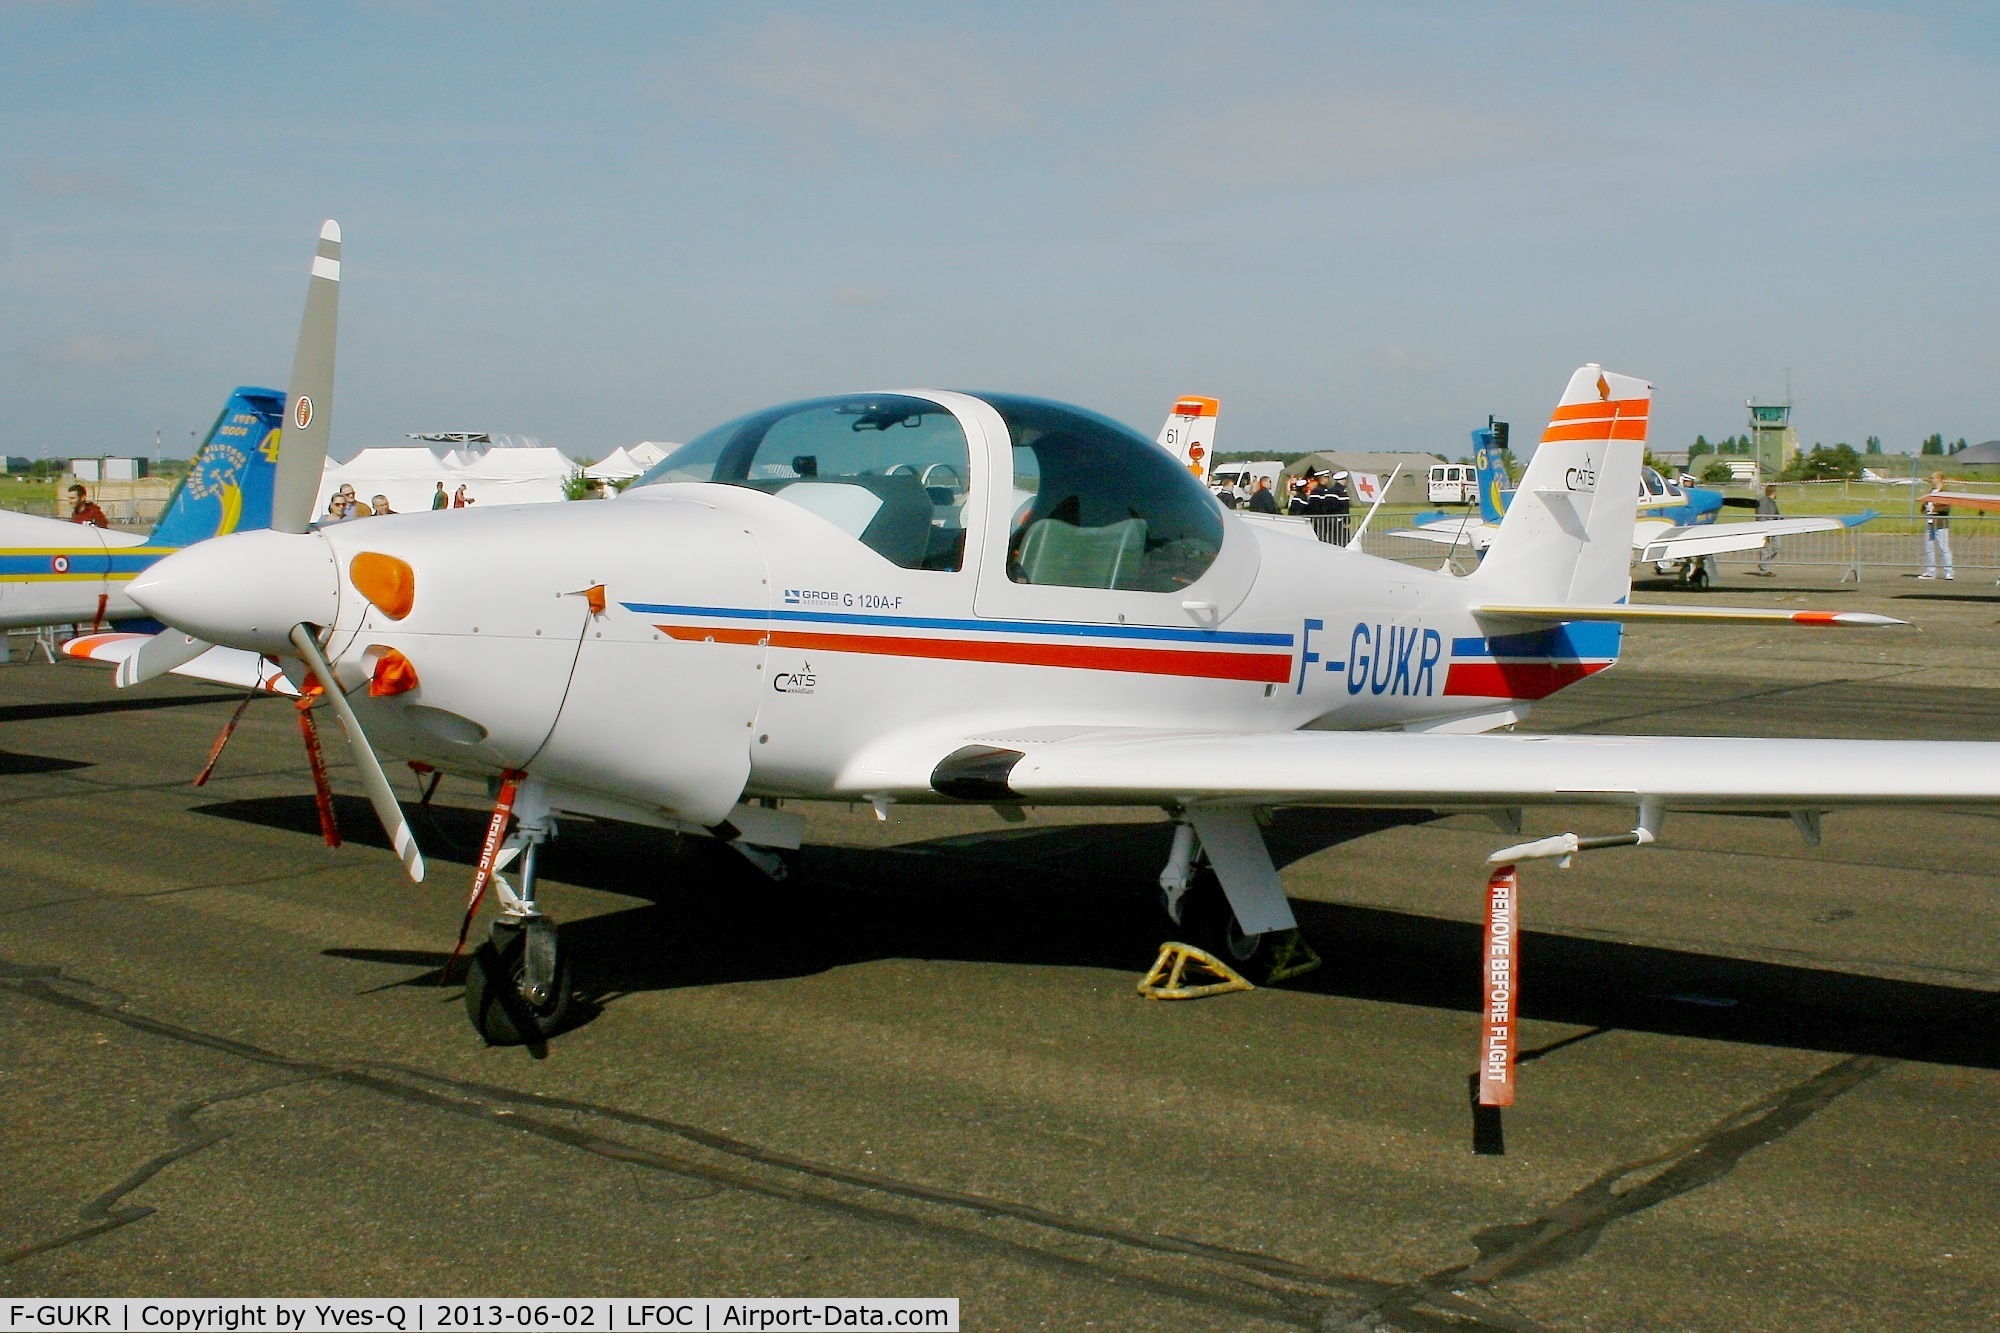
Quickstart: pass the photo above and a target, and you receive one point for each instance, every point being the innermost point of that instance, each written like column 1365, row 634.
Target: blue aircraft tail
column 1495, row 486
column 228, row 486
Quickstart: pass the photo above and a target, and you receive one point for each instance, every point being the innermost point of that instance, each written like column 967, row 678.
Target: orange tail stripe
column 1597, row 430
column 1617, row 407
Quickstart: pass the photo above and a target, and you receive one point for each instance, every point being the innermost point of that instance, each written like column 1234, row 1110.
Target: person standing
column 440, row 500
column 1261, row 500
column 460, row 499
column 83, row 509
column 1340, row 504
column 1767, row 508
column 1937, row 532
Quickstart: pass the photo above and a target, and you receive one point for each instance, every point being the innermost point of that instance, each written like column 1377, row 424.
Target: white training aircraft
column 1675, row 526
column 930, row 596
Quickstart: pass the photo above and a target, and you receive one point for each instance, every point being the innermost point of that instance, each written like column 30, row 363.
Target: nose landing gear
column 518, row 988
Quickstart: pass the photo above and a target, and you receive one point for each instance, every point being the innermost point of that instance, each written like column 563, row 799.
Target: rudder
column 1567, row 535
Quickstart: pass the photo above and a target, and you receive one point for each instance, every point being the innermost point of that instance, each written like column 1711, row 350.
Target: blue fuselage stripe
column 1157, row 632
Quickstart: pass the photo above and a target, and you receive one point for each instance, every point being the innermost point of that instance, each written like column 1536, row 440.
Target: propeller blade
column 1740, row 501
column 309, row 396
column 159, row 655
column 380, row 794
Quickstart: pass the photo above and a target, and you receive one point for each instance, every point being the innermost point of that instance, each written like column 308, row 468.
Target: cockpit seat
column 1055, row 552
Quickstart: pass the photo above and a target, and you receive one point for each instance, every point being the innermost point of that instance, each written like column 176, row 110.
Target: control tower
column 1772, row 438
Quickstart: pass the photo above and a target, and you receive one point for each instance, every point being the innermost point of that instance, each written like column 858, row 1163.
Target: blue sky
column 1360, row 226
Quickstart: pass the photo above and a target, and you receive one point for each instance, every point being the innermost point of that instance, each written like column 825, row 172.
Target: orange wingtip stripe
column 1197, row 407
column 1816, row 617
column 1617, row 407
column 1596, row 430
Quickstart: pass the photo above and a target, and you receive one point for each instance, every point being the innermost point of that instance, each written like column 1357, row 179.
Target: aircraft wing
column 1713, row 538
column 223, row 666
column 1445, row 771
column 1470, row 532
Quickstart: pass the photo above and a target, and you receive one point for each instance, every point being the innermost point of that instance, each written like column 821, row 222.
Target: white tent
column 648, row 452
column 617, row 466
column 408, row 476
column 509, row 476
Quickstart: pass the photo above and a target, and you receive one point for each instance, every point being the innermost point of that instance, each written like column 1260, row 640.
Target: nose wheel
column 518, row 988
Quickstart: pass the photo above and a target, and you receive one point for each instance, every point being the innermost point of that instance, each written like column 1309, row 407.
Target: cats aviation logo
column 302, row 412
column 802, row 681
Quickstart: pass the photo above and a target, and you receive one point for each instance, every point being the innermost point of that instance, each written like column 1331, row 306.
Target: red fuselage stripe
column 1516, row 680
column 1271, row 668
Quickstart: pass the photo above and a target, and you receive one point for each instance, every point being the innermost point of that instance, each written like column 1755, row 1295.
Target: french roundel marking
column 302, row 412
column 60, row 564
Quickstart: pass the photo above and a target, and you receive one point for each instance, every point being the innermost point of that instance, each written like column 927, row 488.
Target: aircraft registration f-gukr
column 932, row 596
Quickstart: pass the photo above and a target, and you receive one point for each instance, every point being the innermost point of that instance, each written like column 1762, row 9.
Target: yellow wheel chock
column 1177, row 974
column 1169, row 978
column 1291, row 957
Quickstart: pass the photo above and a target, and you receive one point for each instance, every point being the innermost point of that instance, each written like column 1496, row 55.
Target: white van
column 1244, row 476
column 1454, row 484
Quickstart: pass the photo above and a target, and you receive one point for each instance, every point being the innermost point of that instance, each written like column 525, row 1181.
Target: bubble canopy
column 1097, row 505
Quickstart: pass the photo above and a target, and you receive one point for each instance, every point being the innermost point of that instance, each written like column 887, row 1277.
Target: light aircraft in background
column 54, row 572
column 783, row 610
column 1675, row 527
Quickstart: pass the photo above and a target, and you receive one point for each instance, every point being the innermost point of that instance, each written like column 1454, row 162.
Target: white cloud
column 1396, row 360
column 857, row 298
column 39, row 180
column 95, row 351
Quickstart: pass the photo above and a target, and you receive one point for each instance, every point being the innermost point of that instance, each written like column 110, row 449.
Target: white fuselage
column 747, row 647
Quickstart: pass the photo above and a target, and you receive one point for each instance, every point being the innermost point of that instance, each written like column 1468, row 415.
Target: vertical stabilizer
column 309, row 396
column 1189, row 434
column 1567, row 535
column 228, row 485
column 1495, row 486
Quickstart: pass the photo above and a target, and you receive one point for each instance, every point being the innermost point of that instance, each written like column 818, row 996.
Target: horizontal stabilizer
column 222, row 666
column 1693, row 615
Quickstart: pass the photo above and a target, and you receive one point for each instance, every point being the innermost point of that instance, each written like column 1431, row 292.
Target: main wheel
column 1208, row 922
column 499, row 999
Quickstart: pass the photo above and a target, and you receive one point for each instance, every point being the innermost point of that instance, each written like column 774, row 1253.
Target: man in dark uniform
column 1261, row 500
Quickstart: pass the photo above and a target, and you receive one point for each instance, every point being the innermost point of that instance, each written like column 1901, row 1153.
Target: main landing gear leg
column 518, row 990
column 1220, row 888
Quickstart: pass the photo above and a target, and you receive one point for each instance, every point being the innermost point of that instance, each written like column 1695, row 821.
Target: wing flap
column 1386, row 769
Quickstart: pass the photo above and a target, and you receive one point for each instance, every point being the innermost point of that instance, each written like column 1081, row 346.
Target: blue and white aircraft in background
column 1676, row 527
column 54, row 572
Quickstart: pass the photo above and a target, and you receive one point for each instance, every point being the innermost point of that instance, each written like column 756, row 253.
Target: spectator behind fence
column 1767, row 507
column 83, row 509
column 1937, row 533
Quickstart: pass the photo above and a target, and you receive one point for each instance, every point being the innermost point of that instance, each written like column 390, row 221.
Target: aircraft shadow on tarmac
column 1085, row 896
column 92, row 708
column 14, row 765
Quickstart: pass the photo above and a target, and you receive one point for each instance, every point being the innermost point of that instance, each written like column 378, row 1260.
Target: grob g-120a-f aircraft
column 929, row 596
